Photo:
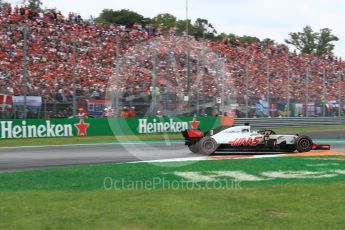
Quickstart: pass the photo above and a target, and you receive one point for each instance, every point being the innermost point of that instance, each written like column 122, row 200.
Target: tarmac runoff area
column 26, row 158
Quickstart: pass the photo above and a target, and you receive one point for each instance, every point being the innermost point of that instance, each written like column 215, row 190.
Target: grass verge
column 285, row 206
column 75, row 197
column 160, row 175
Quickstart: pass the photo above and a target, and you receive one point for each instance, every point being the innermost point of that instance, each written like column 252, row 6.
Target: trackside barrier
column 38, row 128
column 290, row 122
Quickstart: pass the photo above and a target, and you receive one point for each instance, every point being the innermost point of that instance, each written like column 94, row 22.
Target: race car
column 242, row 138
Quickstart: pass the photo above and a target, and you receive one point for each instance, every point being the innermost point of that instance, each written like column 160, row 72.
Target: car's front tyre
column 304, row 144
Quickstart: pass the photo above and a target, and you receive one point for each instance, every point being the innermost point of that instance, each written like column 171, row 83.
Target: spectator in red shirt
column 9, row 8
column 82, row 113
column 125, row 112
column 132, row 112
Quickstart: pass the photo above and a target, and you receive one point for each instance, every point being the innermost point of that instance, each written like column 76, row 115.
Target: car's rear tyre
column 208, row 145
column 195, row 148
column 304, row 144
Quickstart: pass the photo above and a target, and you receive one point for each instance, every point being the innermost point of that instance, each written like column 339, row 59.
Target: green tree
column 220, row 37
column 311, row 42
column 34, row 4
column 165, row 21
column 202, row 27
column 232, row 38
column 267, row 42
column 324, row 45
column 248, row 39
column 3, row 6
column 181, row 26
column 122, row 17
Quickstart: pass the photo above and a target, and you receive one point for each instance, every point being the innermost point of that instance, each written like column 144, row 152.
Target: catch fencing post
column 154, row 77
column 324, row 94
column 74, row 77
column 197, row 87
column 288, row 92
column 246, row 82
column 339, row 93
column 117, row 77
column 268, row 86
column 307, row 92
column 223, row 82
column 25, row 72
column 188, row 60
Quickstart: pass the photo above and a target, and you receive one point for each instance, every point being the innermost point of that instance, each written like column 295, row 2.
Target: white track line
column 90, row 144
column 205, row 158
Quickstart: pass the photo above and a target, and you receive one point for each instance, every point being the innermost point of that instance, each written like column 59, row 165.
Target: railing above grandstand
column 290, row 121
column 167, row 105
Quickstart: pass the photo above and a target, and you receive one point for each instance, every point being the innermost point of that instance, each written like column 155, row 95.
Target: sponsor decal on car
column 246, row 141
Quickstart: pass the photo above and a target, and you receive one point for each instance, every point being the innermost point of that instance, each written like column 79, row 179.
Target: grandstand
column 135, row 66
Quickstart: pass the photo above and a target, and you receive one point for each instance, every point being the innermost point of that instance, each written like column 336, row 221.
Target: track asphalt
column 24, row 158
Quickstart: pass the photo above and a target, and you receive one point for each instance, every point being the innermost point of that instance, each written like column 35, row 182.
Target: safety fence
column 290, row 122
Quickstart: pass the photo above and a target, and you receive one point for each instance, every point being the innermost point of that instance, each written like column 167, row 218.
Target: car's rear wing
column 192, row 136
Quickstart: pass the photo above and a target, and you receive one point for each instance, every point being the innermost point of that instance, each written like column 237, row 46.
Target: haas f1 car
column 242, row 138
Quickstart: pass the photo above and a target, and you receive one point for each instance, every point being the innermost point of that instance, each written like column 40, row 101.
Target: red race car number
column 246, row 141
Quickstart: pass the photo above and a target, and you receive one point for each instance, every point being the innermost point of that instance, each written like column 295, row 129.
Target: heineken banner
column 32, row 128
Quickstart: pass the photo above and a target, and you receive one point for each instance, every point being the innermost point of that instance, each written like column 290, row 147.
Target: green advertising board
column 37, row 128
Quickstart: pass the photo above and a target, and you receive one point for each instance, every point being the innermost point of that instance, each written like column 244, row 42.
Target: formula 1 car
column 242, row 138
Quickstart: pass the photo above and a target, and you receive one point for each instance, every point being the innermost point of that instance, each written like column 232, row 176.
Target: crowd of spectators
column 298, row 74
column 49, row 60
column 215, row 68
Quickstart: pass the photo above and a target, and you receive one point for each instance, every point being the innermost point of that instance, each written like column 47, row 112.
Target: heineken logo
column 157, row 126
column 24, row 130
column 194, row 123
column 82, row 127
